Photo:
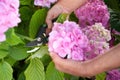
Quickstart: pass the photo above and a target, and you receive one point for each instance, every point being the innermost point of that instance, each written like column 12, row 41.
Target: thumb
column 53, row 55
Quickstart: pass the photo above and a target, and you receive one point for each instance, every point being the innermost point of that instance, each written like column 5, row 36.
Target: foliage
column 35, row 70
column 17, row 64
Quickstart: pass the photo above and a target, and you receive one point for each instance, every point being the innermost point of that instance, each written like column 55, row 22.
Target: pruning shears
column 41, row 38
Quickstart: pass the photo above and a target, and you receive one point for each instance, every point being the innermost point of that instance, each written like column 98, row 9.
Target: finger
column 64, row 65
column 54, row 12
column 54, row 56
column 49, row 20
column 48, row 31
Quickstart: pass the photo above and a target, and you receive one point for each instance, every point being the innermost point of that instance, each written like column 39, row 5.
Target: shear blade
column 34, row 43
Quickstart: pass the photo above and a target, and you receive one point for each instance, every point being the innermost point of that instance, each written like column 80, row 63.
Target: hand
column 68, row 66
column 62, row 6
column 102, row 63
column 54, row 12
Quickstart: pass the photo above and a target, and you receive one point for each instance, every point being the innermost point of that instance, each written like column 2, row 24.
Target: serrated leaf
column 101, row 76
column 35, row 70
column 4, row 45
column 53, row 74
column 62, row 18
column 3, row 53
column 18, row 52
column 3, row 50
column 37, row 19
column 41, row 52
column 12, row 38
column 5, row 71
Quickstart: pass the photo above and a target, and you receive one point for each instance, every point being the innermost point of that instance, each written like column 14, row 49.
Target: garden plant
column 21, row 20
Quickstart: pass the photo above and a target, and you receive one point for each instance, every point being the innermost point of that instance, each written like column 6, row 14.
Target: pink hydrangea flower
column 2, row 37
column 44, row 3
column 113, row 75
column 9, row 14
column 67, row 39
column 94, row 11
column 98, row 39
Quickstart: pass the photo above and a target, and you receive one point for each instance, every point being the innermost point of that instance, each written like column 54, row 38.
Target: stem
column 25, row 37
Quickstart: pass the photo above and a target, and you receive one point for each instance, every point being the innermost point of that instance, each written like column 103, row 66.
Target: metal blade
column 34, row 43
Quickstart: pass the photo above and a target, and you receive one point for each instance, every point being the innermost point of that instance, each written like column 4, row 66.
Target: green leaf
column 46, row 59
column 21, row 76
column 37, row 19
column 12, row 38
column 114, row 4
column 101, row 76
column 25, row 13
column 5, row 71
column 4, row 45
column 10, row 60
column 115, row 20
column 18, row 52
column 25, row 2
column 3, row 53
column 71, row 77
column 35, row 70
column 73, row 17
column 3, row 50
column 62, row 18
column 53, row 74
column 41, row 52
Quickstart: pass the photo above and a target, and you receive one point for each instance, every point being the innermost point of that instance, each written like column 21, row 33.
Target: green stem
column 25, row 37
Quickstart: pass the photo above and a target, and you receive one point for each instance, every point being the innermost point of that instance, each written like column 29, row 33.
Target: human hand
column 68, row 66
column 101, row 63
column 62, row 6
column 53, row 13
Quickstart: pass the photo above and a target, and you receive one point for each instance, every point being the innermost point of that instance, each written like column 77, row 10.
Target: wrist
column 89, row 68
column 82, row 69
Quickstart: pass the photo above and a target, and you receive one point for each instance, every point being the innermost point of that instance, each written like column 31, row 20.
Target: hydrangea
column 44, row 3
column 67, row 40
column 94, row 11
column 9, row 14
column 98, row 39
column 113, row 75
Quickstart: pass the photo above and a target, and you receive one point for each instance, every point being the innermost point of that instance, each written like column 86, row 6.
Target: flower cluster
column 94, row 11
column 113, row 75
column 44, row 3
column 67, row 40
column 98, row 39
column 9, row 14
